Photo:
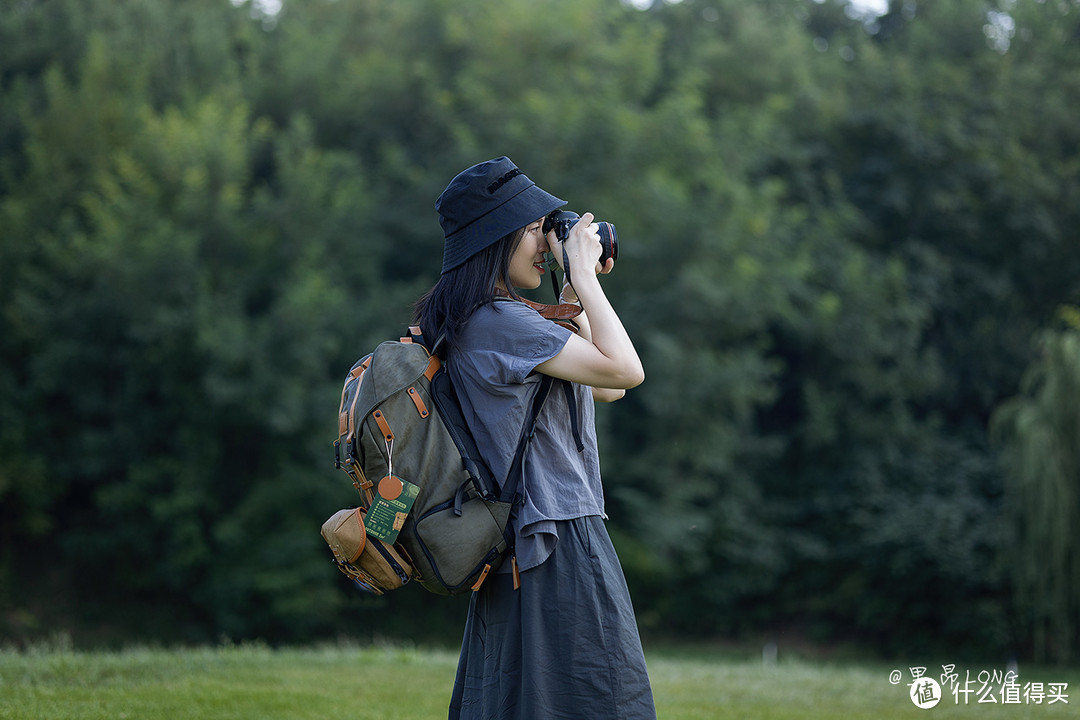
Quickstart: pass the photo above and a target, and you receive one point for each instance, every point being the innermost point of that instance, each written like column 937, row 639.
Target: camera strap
column 561, row 314
column 566, row 266
column 553, row 266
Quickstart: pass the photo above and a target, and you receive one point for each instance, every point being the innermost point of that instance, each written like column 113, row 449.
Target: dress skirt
column 563, row 646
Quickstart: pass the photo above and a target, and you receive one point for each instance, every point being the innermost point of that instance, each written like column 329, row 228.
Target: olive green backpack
column 429, row 509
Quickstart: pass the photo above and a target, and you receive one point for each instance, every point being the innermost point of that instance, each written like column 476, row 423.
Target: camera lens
column 562, row 220
column 609, row 242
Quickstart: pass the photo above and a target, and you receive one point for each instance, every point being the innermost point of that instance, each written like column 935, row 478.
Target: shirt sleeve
column 509, row 339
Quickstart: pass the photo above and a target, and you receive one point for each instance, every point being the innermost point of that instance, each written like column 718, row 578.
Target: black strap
column 510, row 487
column 566, row 266
column 553, row 266
column 571, row 402
column 566, row 275
column 419, row 337
column 517, row 469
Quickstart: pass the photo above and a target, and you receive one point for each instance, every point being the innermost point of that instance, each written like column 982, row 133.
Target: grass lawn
column 390, row 683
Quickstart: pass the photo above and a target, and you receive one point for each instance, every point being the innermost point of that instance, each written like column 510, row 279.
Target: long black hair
column 443, row 310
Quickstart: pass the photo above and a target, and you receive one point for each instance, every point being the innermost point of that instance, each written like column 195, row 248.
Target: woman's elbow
column 607, row 395
column 632, row 376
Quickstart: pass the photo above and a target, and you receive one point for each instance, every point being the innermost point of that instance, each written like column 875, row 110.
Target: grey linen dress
column 566, row 644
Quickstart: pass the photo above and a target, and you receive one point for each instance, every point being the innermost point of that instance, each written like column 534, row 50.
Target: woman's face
column 527, row 264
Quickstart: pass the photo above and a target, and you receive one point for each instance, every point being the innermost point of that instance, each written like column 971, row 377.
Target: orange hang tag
column 390, row 487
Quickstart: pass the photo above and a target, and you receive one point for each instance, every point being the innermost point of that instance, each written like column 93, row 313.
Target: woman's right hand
column 582, row 248
column 607, row 358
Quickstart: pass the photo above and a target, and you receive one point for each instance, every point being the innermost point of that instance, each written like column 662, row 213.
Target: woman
column 553, row 633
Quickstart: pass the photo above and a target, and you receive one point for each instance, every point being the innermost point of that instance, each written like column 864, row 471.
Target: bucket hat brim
column 491, row 212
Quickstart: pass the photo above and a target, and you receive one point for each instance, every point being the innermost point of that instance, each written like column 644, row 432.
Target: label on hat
column 394, row 499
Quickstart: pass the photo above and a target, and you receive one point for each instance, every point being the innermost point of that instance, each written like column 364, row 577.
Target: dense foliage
column 840, row 233
column 1039, row 430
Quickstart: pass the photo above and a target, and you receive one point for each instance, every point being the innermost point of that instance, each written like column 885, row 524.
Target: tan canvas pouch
column 373, row 564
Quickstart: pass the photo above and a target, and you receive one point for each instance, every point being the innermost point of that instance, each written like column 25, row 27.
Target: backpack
column 430, row 508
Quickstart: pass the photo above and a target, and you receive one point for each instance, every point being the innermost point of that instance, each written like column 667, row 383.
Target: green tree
column 173, row 317
column 922, row 148
column 1039, row 432
column 837, row 233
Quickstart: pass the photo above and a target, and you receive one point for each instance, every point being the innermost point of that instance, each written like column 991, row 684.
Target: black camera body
column 562, row 220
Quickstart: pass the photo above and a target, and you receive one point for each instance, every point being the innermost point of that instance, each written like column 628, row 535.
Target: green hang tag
column 393, row 501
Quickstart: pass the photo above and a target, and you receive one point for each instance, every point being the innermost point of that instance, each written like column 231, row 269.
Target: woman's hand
column 605, row 356
column 582, row 247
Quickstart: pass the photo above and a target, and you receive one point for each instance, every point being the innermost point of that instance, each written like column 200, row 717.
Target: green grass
column 391, row 682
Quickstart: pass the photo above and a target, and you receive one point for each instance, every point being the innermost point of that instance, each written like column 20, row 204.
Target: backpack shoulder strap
column 510, row 486
column 416, row 335
column 564, row 315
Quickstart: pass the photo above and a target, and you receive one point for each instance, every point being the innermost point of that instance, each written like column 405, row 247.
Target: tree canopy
column 839, row 234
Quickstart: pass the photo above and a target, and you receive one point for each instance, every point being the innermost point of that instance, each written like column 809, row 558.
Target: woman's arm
column 585, row 331
column 606, row 359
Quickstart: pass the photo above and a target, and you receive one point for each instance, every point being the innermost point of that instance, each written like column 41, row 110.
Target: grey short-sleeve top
column 492, row 369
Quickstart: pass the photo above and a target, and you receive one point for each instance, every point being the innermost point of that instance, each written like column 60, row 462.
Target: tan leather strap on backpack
column 418, row 401
column 384, row 426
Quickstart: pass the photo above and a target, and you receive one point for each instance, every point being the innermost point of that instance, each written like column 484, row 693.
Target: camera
column 562, row 220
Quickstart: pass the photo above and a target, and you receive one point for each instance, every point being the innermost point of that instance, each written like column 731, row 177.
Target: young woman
column 553, row 633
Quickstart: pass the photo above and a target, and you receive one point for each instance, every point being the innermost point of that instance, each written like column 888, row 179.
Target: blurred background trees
column 840, row 233
column 1039, row 430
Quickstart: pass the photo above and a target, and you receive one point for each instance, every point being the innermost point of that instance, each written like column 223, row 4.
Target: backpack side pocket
column 375, row 566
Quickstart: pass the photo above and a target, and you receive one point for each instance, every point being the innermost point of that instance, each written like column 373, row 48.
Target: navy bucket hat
column 487, row 202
